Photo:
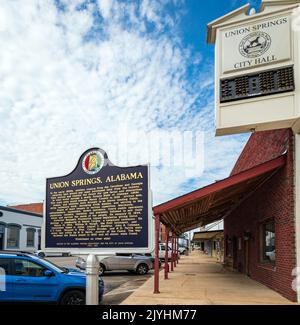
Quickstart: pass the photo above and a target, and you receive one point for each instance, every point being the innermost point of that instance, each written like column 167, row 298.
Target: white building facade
column 20, row 230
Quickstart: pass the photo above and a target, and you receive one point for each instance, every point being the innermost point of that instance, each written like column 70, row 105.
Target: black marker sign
column 98, row 206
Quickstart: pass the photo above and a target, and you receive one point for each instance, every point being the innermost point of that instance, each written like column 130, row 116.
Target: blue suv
column 28, row 278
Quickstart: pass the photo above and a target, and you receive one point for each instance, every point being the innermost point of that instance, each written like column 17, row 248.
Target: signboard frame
column 103, row 251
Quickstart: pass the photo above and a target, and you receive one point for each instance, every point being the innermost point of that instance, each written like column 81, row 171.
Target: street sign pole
column 92, row 280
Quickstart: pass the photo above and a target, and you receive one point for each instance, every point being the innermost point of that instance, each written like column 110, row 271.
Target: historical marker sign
column 99, row 207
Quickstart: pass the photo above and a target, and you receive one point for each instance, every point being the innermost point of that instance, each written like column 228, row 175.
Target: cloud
column 73, row 73
column 105, row 7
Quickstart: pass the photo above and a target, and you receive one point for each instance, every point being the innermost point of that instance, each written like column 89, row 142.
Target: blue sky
column 79, row 74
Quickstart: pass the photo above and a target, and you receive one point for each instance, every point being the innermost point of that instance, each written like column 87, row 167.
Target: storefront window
column 30, row 237
column 268, row 242
column 13, row 236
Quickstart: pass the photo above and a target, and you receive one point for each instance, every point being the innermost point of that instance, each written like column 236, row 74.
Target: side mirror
column 48, row 273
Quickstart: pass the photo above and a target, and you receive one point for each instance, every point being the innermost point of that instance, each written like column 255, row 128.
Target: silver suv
column 138, row 264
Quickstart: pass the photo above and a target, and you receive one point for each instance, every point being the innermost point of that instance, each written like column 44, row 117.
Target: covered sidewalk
column 200, row 280
column 204, row 206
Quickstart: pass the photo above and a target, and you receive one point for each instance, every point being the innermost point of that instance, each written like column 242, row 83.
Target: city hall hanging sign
column 256, row 44
column 99, row 207
column 257, row 68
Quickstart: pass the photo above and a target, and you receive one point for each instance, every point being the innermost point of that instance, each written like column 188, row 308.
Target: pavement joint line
column 113, row 293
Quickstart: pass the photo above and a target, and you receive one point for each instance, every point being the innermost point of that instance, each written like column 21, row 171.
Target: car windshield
column 54, row 266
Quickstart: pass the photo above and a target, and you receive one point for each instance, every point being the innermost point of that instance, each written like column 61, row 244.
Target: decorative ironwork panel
column 259, row 84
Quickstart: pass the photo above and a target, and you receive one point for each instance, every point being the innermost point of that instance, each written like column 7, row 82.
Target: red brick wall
column 275, row 199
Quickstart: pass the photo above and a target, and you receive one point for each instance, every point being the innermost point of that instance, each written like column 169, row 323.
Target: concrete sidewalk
column 200, row 280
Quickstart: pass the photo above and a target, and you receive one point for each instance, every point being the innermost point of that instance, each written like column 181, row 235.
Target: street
column 118, row 284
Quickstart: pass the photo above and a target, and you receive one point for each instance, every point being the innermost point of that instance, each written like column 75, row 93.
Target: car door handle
column 20, row 280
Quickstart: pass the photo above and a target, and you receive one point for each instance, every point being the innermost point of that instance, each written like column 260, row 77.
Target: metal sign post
column 92, row 280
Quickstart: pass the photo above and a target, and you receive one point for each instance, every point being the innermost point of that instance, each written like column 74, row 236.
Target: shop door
column 202, row 246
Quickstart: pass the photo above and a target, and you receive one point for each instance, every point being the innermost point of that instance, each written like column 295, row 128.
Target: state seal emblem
column 92, row 162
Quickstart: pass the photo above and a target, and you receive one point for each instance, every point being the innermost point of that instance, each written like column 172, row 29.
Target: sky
column 113, row 74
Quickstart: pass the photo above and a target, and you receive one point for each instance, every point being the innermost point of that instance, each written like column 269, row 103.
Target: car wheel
column 142, row 269
column 74, row 297
column 101, row 269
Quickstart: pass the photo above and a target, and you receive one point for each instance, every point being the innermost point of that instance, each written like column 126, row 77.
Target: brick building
column 257, row 203
column 260, row 232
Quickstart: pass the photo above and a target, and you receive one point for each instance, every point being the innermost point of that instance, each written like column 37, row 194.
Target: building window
column 268, row 254
column 30, row 237
column 2, row 236
column 39, row 239
column 13, row 236
column 2, row 229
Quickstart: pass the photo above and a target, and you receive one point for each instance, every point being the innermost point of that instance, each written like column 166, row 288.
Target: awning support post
column 177, row 251
column 167, row 253
column 156, row 262
column 172, row 253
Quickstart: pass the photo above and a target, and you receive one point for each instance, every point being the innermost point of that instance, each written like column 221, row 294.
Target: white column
column 92, row 280
column 297, row 206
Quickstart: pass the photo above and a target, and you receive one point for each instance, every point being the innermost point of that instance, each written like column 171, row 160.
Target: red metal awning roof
column 215, row 201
